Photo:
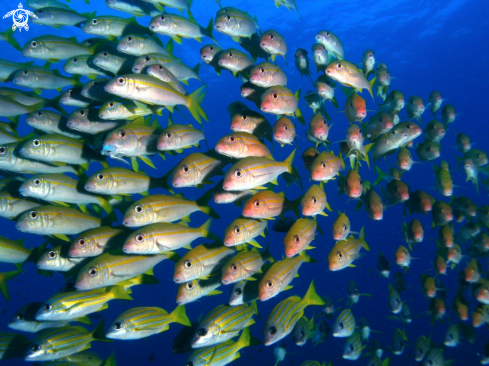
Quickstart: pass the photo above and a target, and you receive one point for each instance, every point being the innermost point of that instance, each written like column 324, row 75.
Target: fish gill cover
column 256, row 182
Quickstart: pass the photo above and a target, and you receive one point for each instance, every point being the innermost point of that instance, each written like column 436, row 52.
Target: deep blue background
column 429, row 45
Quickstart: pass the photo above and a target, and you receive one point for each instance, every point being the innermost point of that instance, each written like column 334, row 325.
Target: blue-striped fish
column 143, row 322
column 223, row 323
column 353, row 347
column 52, row 344
column 71, row 304
column 345, row 323
column 223, row 353
column 286, row 314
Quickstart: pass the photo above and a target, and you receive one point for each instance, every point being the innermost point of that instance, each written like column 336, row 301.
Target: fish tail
column 119, row 292
column 204, row 229
column 307, row 258
column 312, row 298
column 381, row 175
column 109, row 210
column 204, row 207
column 99, row 333
column 209, row 29
column 194, row 107
column 289, row 161
column 84, row 320
column 110, row 361
column 180, row 316
column 9, row 37
column 54, row 103
column 267, row 254
column 4, row 277
column 246, row 339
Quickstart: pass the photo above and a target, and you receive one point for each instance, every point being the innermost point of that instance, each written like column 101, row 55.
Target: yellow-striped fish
column 13, row 251
column 54, row 48
column 164, row 237
column 55, row 220
column 163, row 208
column 113, row 267
column 223, row 353
column 314, row 201
column 267, row 204
column 130, row 140
column 241, row 145
column 143, row 322
column 345, row 323
column 280, row 275
column 12, row 204
column 195, row 289
column 326, row 166
column 201, row 261
column 57, row 259
column 178, row 137
column 72, row 304
column 286, row 314
column 242, row 231
column 223, row 323
column 299, row 236
column 196, row 169
column 24, row 320
column 244, row 265
column 52, row 344
column 345, row 252
column 254, row 172
column 94, row 242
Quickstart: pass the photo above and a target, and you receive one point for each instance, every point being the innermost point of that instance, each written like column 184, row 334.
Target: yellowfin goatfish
column 140, row 44
column 314, row 201
column 94, row 242
column 349, row 75
column 111, row 26
column 55, row 220
column 71, row 304
column 242, row 231
column 266, row 75
column 254, row 172
column 267, row 204
column 162, row 208
column 274, row 43
column 12, row 204
column 178, row 27
column 113, row 267
column 286, row 314
column 345, row 252
column 201, row 261
column 55, row 48
column 50, row 122
column 52, row 344
column 143, row 322
column 235, row 23
column 195, row 289
column 299, row 236
column 244, row 265
column 280, row 275
column 284, row 131
column 178, row 137
column 279, row 100
column 88, row 121
column 326, row 166
column 38, row 78
column 223, row 323
column 164, row 237
column 241, row 145
column 332, row 44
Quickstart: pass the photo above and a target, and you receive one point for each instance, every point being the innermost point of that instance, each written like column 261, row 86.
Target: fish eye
column 92, row 272
column 162, row 17
column 270, row 284
column 351, row 104
column 33, row 215
column 190, row 363
column 271, row 36
column 140, row 238
column 244, row 117
column 237, row 230
column 26, row 72
column 189, row 285
column 147, row 59
column 105, row 54
column 188, row 264
column 168, row 135
column 160, row 67
column 238, row 291
column 202, row 332
column 94, row 22
column 138, row 208
column 129, row 39
column 340, row 255
column 344, row 227
column 122, row 134
column 47, row 307
column 230, row 54
column 37, row 181
column 352, row 348
column 211, row 48
column 35, row 348
column 274, row 95
column 82, row 112
column 232, row 138
column 100, row 176
column 338, row 65
column 75, row 60
column 228, row 18
column 341, row 326
column 286, row 128
column 82, row 242
column 34, row 44
column 234, row 267
column 52, row 254
column 323, row 164
column 40, row 11
column 96, row 83
column 121, row 81
column 20, row 316
column 297, row 239
column 185, row 169
column 36, row 142
column 238, row 173
column 111, row 104
column 272, row 330
column 118, row 326
column 39, row 114
column 262, row 70
column 257, row 203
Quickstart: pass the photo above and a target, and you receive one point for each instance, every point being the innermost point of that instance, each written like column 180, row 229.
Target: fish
column 251, row 122
column 141, row 44
column 141, row 322
column 94, row 242
column 284, row 131
column 441, row 213
column 132, row 7
column 372, row 202
column 268, row 205
column 351, row 184
column 448, row 113
column 308, row 157
column 164, row 237
column 332, row 44
column 413, row 232
column 235, row 23
column 395, row 303
column 326, row 166
column 241, row 145
column 196, row 169
column 320, row 56
column 54, row 48
column 273, row 43
column 383, row 266
column 24, row 320
column 344, row 325
column 341, row 227
column 266, row 75
column 57, row 259
column 355, row 108
column 302, row 330
column 403, row 257
column 113, row 267
column 398, row 342
column 61, row 342
column 434, row 101
column 13, row 251
column 299, row 236
column 302, row 63
column 50, row 122
column 13, row 345
column 194, row 290
column 368, row 62
column 279, row 100
column 41, row 78
column 201, row 261
column 318, row 128
column 244, row 265
column 252, row 172
column 286, row 314
column 178, row 27
column 348, row 75
column 379, row 124
column 345, row 252
column 113, row 26
column 353, row 347
column 314, row 201
column 243, row 230
column 223, row 323
column 452, row 337
column 396, row 192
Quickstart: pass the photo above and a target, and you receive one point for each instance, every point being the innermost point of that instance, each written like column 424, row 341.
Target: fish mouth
column 178, row 279
column 108, row 150
column 88, row 187
column 225, row 282
column 23, row 191
column 128, row 223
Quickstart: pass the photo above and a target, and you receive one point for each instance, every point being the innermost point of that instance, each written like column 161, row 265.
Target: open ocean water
column 427, row 45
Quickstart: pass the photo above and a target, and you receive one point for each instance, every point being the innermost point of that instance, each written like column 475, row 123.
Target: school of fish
column 118, row 94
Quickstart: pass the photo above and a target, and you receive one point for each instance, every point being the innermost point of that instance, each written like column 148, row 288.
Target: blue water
column 430, row 45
